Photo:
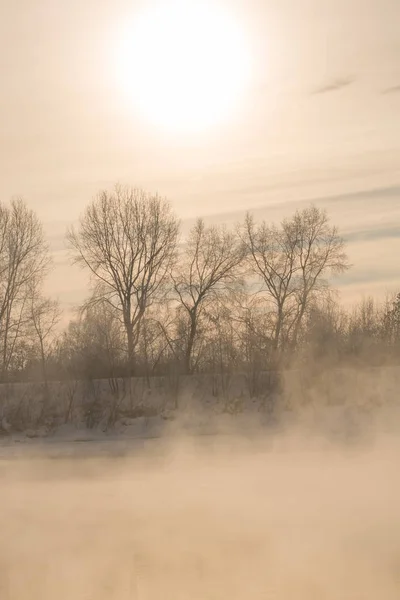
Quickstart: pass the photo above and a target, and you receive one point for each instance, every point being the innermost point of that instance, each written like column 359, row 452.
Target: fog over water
column 291, row 516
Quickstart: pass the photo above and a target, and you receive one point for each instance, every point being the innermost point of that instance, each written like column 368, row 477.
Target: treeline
column 253, row 297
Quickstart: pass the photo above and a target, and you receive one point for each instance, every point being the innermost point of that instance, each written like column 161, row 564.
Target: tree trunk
column 46, row 394
column 131, row 352
column 278, row 328
column 298, row 323
column 190, row 343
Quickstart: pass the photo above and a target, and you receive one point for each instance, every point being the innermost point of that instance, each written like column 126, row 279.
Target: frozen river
column 217, row 517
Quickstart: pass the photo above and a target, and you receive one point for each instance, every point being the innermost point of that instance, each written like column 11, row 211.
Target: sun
column 185, row 65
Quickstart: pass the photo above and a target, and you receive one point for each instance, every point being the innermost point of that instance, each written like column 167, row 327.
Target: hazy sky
column 321, row 122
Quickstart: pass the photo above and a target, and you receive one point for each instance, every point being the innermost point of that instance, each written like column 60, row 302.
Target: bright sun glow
column 184, row 64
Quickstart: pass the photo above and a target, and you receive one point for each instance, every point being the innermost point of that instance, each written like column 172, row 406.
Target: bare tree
column 253, row 325
column 24, row 259
column 45, row 315
column 292, row 262
column 126, row 239
column 320, row 253
column 94, row 343
column 208, row 265
column 271, row 256
column 366, row 332
column 155, row 342
column 390, row 328
column 324, row 332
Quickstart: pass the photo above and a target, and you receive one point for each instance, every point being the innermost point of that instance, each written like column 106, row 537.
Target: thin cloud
column 368, row 235
column 392, row 90
column 335, row 85
column 368, row 196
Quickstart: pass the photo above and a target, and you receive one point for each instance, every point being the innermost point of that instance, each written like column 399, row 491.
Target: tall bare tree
column 24, row 259
column 320, row 254
column 271, row 257
column 293, row 263
column 208, row 265
column 126, row 239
